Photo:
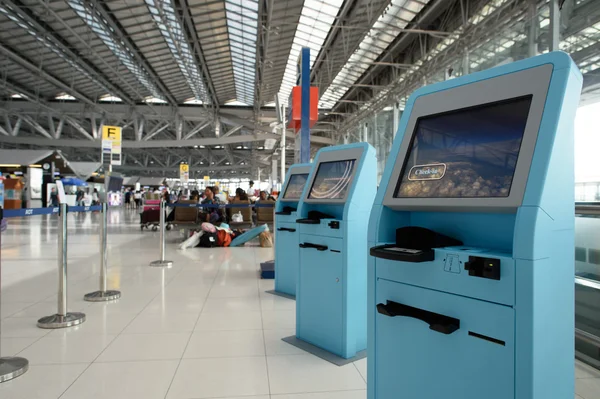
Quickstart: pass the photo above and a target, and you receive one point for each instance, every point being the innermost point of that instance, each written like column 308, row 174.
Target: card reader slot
column 315, row 246
column 437, row 322
column 486, row 338
column 287, row 213
column 286, row 229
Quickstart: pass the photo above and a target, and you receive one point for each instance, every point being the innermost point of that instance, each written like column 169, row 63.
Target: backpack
column 223, row 238
column 208, row 240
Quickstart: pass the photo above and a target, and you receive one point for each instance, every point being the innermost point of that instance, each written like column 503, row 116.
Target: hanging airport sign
column 184, row 173
column 111, row 145
column 206, row 178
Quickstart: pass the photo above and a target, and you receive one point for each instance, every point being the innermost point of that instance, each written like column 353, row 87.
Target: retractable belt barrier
column 13, row 367
column 15, row 213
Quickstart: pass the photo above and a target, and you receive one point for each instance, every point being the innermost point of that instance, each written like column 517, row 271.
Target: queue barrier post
column 162, row 262
column 10, row 367
column 62, row 318
column 103, row 294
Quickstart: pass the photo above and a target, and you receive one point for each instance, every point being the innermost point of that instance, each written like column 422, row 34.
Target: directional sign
column 111, row 145
column 184, row 173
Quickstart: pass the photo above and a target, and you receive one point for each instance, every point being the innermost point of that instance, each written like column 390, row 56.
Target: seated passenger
column 211, row 215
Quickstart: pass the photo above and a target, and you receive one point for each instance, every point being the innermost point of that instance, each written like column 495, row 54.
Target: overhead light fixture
column 261, row 148
column 109, row 98
column 195, row 146
column 154, row 100
column 202, row 146
column 17, row 95
column 10, row 165
column 65, row 97
column 239, row 147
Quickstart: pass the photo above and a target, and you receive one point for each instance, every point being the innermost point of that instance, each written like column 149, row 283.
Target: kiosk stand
column 471, row 237
column 333, row 217
column 287, row 252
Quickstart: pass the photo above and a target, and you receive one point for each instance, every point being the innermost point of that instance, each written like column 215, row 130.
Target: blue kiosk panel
column 471, row 239
column 287, row 251
column 333, row 220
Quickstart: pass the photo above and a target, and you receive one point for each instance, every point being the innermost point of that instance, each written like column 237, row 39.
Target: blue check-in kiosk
column 287, row 251
column 471, row 239
column 333, row 217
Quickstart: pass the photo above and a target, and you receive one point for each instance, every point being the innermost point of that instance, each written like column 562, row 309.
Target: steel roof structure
column 194, row 80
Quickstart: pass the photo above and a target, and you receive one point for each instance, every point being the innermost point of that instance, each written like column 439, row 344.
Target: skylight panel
column 164, row 15
column 101, row 28
column 315, row 22
column 242, row 26
column 372, row 46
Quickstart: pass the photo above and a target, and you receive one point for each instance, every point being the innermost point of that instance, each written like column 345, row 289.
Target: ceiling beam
column 206, row 141
column 45, row 33
column 102, row 8
column 19, row 59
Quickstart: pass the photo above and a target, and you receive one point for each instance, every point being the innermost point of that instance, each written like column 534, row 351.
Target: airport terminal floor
column 204, row 328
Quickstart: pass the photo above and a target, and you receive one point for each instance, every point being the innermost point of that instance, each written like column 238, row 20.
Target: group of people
column 133, row 198
column 82, row 198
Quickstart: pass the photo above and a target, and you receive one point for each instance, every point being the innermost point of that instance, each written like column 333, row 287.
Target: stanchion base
column 58, row 321
column 162, row 263
column 12, row 367
column 102, row 296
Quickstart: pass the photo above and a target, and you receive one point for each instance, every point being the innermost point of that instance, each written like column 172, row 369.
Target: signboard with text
column 111, row 145
column 184, row 173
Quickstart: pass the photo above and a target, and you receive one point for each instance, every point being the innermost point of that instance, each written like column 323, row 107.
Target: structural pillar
column 554, row 25
column 533, row 28
column 305, row 110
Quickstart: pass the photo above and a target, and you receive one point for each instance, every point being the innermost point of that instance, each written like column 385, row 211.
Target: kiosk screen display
column 332, row 180
column 469, row 153
column 295, row 186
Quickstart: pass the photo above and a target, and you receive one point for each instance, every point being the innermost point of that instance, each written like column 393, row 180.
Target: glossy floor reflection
column 203, row 329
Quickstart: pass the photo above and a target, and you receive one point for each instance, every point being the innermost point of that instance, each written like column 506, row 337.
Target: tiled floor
column 202, row 329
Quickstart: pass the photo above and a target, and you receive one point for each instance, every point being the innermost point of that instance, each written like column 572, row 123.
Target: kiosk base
column 281, row 294
column 323, row 354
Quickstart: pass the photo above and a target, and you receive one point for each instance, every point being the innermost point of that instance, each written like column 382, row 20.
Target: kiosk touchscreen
column 332, row 222
column 287, row 251
column 471, row 239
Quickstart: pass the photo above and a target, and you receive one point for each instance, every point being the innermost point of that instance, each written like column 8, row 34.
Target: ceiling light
column 109, row 98
column 154, row 100
column 65, row 97
column 193, row 101
column 239, row 147
column 202, row 146
column 195, row 146
column 17, row 95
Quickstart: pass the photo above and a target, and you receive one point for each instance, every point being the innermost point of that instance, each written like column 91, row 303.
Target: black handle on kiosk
column 283, row 213
column 308, row 221
column 286, row 229
column 315, row 246
column 437, row 322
